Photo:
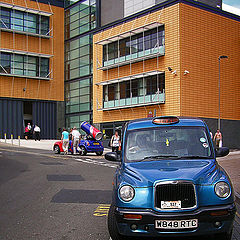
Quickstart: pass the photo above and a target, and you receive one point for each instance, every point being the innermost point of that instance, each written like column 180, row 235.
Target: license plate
column 95, row 143
column 176, row 224
column 170, row 204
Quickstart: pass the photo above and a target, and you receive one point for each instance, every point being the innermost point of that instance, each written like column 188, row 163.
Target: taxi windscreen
column 168, row 143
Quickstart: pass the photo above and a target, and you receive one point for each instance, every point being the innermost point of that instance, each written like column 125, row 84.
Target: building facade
column 82, row 19
column 164, row 61
column 31, row 66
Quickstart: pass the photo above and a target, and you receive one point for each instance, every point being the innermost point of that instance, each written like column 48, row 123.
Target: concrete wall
column 213, row 3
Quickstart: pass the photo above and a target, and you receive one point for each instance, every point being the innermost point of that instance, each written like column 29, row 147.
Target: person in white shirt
column 37, row 132
column 76, row 137
column 116, row 142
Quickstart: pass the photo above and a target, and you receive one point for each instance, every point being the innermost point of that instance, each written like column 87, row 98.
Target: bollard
column 12, row 139
column 19, row 141
column 5, row 137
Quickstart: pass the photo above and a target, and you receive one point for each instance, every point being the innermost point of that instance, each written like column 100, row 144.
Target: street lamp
column 219, row 87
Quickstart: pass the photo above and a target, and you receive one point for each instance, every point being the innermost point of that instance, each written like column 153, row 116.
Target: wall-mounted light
column 169, row 69
column 186, row 72
column 174, row 72
column 24, row 89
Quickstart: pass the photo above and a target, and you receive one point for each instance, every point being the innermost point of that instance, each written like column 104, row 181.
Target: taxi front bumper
column 206, row 221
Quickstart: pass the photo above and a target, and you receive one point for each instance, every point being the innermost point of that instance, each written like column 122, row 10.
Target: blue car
column 88, row 145
column 169, row 183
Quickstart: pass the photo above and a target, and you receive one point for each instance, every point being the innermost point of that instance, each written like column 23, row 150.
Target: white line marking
column 95, row 162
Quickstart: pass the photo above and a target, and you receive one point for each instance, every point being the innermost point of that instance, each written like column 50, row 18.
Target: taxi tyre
column 224, row 236
column 83, row 151
column 100, row 153
column 112, row 226
column 56, row 149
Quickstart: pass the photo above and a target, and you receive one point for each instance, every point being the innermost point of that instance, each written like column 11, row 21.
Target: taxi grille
column 184, row 192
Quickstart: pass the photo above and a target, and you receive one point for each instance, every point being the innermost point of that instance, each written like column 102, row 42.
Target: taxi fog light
column 134, row 227
column 132, row 216
column 219, row 213
column 217, row 224
column 126, row 193
column 222, row 190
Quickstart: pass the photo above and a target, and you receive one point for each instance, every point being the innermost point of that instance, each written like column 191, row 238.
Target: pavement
column 43, row 144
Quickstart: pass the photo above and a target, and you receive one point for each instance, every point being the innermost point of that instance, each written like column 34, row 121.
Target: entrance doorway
column 27, row 115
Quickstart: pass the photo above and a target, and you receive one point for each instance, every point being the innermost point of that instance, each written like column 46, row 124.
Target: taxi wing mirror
column 112, row 156
column 221, row 152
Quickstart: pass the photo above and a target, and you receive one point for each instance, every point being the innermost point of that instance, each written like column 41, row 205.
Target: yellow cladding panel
column 37, row 89
column 204, row 37
column 170, row 18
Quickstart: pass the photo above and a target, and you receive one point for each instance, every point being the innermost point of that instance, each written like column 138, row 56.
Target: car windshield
column 167, row 143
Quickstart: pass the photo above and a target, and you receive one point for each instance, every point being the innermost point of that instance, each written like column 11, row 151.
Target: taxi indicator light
column 165, row 120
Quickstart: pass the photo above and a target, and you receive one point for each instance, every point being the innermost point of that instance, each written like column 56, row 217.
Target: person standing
column 65, row 140
column 218, row 138
column 76, row 137
column 116, row 142
column 37, row 132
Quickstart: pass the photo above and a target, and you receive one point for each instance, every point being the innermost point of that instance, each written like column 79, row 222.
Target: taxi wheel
column 112, row 226
column 224, row 236
column 56, row 149
column 99, row 153
column 83, row 151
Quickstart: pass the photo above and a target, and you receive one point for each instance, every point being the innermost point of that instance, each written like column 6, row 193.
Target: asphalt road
column 45, row 196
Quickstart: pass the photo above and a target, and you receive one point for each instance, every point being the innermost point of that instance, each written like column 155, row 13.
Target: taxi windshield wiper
column 160, row 156
column 194, row 157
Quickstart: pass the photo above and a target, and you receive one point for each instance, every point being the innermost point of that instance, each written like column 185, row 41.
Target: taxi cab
column 169, row 183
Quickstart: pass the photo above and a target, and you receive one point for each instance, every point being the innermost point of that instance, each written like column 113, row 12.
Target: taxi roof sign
column 165, row 120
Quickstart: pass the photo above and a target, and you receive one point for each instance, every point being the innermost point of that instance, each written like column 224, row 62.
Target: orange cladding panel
column 204, row 37
column 37, row 89
column 170, row 18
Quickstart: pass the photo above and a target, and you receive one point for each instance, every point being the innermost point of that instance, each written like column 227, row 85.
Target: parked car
column 169, row 182
column 88, row 145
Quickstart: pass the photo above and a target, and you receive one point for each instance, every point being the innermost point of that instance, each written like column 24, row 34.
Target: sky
column 233, row 3
column 232, row 6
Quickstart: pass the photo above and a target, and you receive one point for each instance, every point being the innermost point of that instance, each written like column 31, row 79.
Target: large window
column 24, row 21
column 24, row 65
column 134, row 92
column 142, row 44
column 78, row 57
column 78, row 96
column 75, row 121
column 80, row 18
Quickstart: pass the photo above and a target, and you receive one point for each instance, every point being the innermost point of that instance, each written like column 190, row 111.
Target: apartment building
column 31, row 66
column 175, row 58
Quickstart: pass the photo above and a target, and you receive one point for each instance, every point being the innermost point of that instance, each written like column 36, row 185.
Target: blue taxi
column 169, row 182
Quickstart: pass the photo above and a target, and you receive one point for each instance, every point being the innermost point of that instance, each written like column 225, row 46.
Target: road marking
column 101, row 210
column 95, row 162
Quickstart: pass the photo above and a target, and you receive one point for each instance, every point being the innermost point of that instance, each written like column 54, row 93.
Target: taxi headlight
column 222, row 189
column 126, row 193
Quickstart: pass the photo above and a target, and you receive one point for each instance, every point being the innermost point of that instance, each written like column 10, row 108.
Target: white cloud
column 231, row 9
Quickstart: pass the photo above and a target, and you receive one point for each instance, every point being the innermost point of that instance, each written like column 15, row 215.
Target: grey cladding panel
column 111, row 10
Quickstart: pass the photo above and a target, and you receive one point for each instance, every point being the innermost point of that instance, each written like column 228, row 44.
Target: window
column 24, row 21
column 78, row 96
column 142, row 44
column 80, row 18
column 78, row 58
column 135, row 91
column 24, row 65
